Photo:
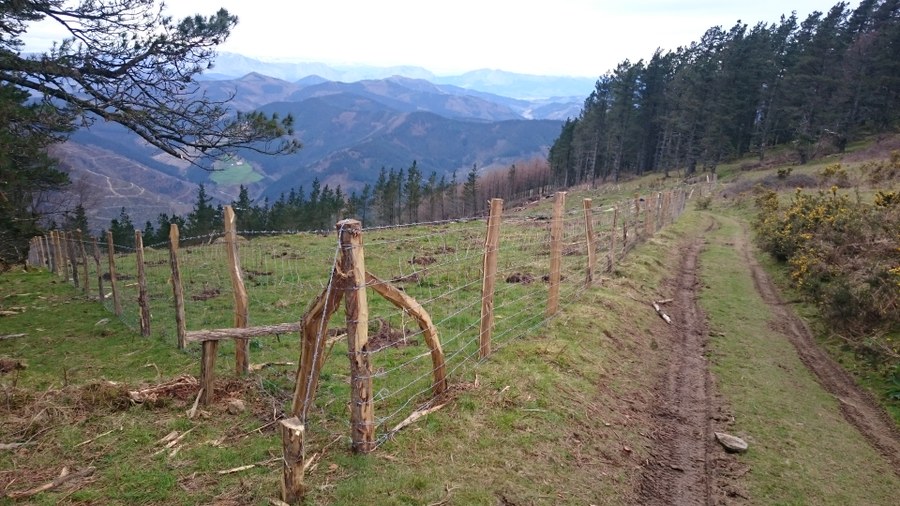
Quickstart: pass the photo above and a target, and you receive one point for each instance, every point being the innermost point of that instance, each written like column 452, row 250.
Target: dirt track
column 684, row 462
column 857, row 405
column 687, row 466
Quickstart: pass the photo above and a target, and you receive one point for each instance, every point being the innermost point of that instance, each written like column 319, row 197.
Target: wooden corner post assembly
column 353, row 271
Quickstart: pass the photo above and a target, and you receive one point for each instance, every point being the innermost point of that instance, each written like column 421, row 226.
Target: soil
column 858, row 406
column 686, row 465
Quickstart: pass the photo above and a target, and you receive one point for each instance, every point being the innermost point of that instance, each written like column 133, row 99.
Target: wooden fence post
column 143, row 298
column 84, row 261
column 241, row 306
column 63, row 258
column 51, row 260
column 111, row 254
column 589, row 237
column 489, row 276
column 352, row 261
column 207, row 371
column 96, row 252
column 177, row 288
column 556, row 227
column 73, row 256
column 294, row 457
column 612, row 240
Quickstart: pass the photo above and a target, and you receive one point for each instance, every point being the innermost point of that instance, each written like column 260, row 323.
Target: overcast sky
column 558, row 37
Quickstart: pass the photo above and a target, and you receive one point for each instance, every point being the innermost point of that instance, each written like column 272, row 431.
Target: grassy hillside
column 563, row 413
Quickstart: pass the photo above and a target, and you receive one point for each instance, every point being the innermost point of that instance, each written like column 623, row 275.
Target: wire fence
column 439, row 264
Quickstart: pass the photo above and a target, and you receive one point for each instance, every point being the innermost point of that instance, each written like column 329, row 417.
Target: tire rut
column 681, row 470
column 858, row 407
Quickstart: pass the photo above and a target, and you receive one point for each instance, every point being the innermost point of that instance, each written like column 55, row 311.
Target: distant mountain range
column 350, row 129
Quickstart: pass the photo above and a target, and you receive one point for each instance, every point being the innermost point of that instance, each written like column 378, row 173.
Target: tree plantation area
column 693, row 299
column 814, row 84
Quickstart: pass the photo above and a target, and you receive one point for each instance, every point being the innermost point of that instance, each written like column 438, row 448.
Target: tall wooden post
column 84, row 261
column 63, row 257
column 111, row 254
column 589, row 237
column 612, row 239
column 177, row 288
column 51, row 254
column 102, row 295
column 294, row 456
column 352, row 261
column 143, row 298
column 40, row 249
column 207, row 371
column 241, row 305
column 73, row 256
column 648, row 217
column 556, row 227
column 489, row 277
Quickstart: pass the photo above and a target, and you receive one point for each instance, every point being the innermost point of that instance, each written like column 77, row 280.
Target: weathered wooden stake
column 589, row 237
column 96, row 255
column 352, row 262
column 177, row 288
column 84, row 261
column 207, row 371
column 612, row 240
column 111, row 255
column 489, row 276
column 241, row 304
column 556, row 227
column 51, row 254
column 61, row 263
column 143, row 298
column 294, row 457
column 73, row 256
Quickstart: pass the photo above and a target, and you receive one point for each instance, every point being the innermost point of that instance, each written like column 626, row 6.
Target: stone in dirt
column 731, row 443
column 236, row 406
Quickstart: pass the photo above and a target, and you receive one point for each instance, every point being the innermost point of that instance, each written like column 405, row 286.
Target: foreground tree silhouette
column 126, row 61
column 123, row 61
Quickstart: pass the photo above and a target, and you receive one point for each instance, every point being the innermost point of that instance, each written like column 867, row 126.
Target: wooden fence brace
column 111, row 255
column 96, row 254
column 241, row 304
column 489, row 277
column 352, row 262
column 312, row 345
column 556, row 226
column 294, row 457
column 143, row 298
column 73, row 256
column 177, row 288
column 403, row 301
column 194, row 336
column 589, row 237
column 84, row 261
column 612, row 241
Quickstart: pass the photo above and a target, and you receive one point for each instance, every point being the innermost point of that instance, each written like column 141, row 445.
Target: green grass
column 233, row 172
column 557, row 415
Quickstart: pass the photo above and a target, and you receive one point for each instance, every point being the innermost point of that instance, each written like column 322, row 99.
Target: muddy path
column 686, row 465
column 858, row 407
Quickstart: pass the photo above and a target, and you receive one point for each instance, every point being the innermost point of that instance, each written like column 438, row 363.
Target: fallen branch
column 152, row 393
column 661, row 314
column 11, row 336
column 13, row 446
column 64, row 477
column 248, row 466
column 89, row 441
column 415, row 416
column 193, row 411
column 259, row 367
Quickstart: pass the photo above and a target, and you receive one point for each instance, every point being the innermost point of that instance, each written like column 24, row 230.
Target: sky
column 583, row 38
